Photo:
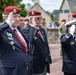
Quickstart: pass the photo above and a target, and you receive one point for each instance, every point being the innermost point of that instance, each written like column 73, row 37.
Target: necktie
column 40, row 34
column 21, row 41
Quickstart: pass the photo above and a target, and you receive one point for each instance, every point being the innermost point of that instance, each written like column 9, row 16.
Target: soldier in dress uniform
column 15, row 57
column 68, row 42
column 40, row 49
column 22, row 21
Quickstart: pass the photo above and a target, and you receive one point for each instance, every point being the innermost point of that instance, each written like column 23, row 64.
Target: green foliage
column 5, row 3
column 54, row 17
column 23, row 10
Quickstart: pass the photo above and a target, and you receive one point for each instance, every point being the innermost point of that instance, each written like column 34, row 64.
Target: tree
column 5, row 3
column 55, row 15
column 23, row 10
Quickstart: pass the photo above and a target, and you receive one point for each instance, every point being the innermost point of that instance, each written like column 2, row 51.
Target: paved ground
column 56, row 66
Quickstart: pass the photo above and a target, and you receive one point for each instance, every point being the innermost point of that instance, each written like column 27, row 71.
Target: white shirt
column 19, row 34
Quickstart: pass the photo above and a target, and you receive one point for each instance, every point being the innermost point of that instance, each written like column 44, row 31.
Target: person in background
column 61, row 28
column 26, row 21
column 43, row 32
column 56, row 24
column 15, row 57
column 22, row 21
column 40, row 49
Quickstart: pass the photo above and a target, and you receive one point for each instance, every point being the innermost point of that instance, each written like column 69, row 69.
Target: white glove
column 72, row 29
column 70, row 22
column 33, row 22
column 9, row 19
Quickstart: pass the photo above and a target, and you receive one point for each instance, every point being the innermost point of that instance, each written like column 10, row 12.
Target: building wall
column 46, row 16
column 53, row 36
column 65, row 6
column 66, row 16
column 63, row 15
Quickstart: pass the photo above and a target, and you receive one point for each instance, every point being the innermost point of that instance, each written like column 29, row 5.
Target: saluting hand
column 72, row 29
column 70, row 22
column 33, row 22
column 9, row 19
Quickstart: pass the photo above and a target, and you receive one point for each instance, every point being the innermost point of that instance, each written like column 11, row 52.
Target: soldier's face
column 42, row 22
column 31, row 20
column 38, row 20
column 68, row 28
column 75, row 31
column 22, row 22
column 16, row 19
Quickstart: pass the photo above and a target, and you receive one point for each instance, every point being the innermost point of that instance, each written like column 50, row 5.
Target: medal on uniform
column 13, row 47
column 72, row 43
column 35, row 38
column 11, row 42
column 9, row 36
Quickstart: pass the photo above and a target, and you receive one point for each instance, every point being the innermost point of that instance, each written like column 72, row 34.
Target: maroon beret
column 26, row 19
column 63, row 20
column 74, row 14
column 34, row 13
column 13, row 9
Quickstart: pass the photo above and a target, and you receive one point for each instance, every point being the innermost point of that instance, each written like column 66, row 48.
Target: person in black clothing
column 15, row 57
column 39, row 44
column 68, row 43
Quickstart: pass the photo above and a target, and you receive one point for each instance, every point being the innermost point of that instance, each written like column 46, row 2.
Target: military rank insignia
column 13, row 47
column 35, row 38
column 11, row 40
column 66, row 36
column 72, row 43
column 14, row 11
column 32, row 12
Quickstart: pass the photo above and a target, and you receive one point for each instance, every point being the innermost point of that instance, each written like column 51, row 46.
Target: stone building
column 67, row 8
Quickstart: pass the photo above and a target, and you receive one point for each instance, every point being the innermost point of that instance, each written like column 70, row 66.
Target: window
column 61, row 11
column 66, row 11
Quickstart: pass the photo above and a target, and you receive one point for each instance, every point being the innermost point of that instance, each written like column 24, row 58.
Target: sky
column 47, row 5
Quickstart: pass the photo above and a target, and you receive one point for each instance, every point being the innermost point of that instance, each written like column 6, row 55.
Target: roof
column 40, row 7
column 71, row 3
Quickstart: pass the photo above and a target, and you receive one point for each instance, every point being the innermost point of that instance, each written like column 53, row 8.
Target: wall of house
column 53, row 35
column 46, row 16
column 35, row 8
column 63, row 15
column 65, row 6
column 66, row 16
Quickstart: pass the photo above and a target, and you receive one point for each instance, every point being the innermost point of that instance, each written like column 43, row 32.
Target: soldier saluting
column 68, row 42
column 15, row 58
